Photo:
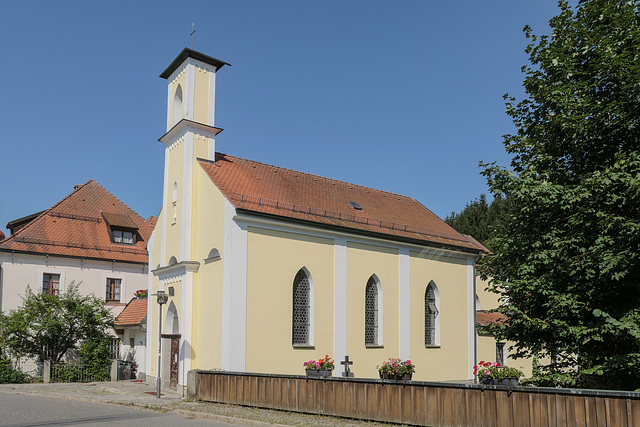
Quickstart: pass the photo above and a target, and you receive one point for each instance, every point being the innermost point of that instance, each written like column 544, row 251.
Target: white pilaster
column 187, row 198
column 404, row 299
column 212, row 98
column 340, row 298
column 186, row 337
column 234, row 293
column 149, row 306
column 190, row 89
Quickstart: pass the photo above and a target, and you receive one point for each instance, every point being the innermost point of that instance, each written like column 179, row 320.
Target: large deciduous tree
column 567, row 262
column 46, row 326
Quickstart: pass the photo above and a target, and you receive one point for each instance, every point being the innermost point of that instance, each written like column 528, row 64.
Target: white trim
column 471, row 299
column 150, row 318
column 165, row 204
column 212, row 98
column 340, row 298
column 187, row 188
column 169, row 104
column 234, row 293
column 186, row 328
column 404, row 300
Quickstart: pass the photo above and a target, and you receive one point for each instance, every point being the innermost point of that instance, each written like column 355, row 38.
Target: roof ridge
column 118, row 199
column 46, row 211
column 318, row 176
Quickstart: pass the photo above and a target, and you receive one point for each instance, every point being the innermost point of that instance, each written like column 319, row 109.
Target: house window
column 51, row 284
column 501, row 353
column 113, row 290
column 126, row 237
column 371, row 315
column 301, row 309
column 431, row 321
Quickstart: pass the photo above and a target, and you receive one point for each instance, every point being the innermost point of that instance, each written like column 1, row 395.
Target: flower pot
column 407, row 377
column 318, row 373
column 510, row 381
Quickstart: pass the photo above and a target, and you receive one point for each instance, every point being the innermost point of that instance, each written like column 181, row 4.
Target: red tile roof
column 133, row 314
column 276, row 191
column 486, row 319
column 75, row 227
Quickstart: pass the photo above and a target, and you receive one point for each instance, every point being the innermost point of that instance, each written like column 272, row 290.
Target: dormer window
column 122, row 229
column 126, row 237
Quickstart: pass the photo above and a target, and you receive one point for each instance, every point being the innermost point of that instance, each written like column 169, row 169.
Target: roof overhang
column 388, row 237
column 184, row 126
column 190, row 53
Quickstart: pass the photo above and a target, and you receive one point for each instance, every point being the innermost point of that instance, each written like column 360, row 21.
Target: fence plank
column 419, row 403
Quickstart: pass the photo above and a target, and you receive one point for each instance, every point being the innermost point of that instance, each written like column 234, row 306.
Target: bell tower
column 191, row 132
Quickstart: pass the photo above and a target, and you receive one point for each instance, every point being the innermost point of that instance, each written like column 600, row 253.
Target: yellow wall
column 362, row 262
column 207, row 286
column 450, row 360
column 201, row 108
column 274, row 259
column 173, row 234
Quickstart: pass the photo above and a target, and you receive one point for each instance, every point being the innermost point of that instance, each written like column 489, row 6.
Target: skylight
column 355, row 206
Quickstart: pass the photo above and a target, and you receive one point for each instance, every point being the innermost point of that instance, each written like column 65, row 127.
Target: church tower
column 191, row 132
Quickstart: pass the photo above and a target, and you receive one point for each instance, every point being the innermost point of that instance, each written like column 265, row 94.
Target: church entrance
column 173, row 371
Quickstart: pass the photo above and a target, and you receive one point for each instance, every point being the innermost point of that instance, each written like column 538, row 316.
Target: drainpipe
column 475, row 332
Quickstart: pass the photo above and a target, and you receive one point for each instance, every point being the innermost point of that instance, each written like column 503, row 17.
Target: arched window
column 177, row 106
column 372, row 312
column 302, row 332
column 431, row 318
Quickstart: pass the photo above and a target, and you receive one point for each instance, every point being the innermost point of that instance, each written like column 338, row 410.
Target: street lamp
column 162, row 299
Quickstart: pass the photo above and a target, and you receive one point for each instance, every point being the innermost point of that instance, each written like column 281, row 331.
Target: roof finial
column 193, row 30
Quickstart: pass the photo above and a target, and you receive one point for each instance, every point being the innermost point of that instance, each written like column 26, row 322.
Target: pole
column 159, row 379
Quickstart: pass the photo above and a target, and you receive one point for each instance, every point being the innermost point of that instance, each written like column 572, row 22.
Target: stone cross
column 346, row 362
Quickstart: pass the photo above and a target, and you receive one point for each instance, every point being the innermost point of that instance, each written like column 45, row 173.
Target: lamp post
column 162, row 299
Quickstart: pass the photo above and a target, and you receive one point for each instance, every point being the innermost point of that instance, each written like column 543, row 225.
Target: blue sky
column 404, row 96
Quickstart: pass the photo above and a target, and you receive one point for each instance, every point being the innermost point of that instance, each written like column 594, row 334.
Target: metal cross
column 346, row 362
column 193, row 30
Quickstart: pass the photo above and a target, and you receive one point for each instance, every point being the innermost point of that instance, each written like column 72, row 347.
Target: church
column 267, row 268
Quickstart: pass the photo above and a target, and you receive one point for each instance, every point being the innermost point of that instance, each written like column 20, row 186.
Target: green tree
column 47, row 327
column 567, row 261
column 479, row 218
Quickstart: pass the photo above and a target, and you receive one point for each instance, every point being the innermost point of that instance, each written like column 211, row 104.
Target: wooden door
column 173, row 373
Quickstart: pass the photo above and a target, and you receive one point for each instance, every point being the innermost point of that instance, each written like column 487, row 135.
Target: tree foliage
column 479, row 218
column 567, row 262
column 46, row 327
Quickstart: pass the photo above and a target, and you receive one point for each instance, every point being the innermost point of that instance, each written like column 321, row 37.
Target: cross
column 346, row 362
column 193, row 30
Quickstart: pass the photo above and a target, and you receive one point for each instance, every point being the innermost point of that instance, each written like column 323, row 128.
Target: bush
column 95, row 355
column 10, row 375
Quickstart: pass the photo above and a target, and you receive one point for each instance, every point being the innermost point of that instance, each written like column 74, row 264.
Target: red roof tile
column 272, row 190
column 75, row 227
column 133, row 314
column 486, row 319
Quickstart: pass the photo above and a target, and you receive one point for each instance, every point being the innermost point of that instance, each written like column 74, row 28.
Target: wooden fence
column 419, row 403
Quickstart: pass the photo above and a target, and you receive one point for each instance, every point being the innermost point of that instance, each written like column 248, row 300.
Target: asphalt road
column 22, row 410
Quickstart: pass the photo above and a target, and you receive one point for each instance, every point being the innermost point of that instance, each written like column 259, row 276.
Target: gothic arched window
column 302, row 309
column 431, row 319
column 372, row 313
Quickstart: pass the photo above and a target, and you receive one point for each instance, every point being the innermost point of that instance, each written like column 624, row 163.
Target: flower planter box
column 387, row 376
column 511, row 381
column 318, row 373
